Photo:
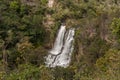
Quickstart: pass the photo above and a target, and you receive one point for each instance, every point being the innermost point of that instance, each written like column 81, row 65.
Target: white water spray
column 60, row 55
column 59, row 41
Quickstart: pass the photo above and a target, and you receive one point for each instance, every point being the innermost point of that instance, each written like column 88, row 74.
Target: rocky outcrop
column 49, row 21
column 50, row 3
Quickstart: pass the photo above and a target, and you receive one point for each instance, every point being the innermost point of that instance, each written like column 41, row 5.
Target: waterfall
column 60, row 55
column 59, row 41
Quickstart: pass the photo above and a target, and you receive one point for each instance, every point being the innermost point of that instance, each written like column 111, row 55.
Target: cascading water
column 60, row 55
column 59, row 41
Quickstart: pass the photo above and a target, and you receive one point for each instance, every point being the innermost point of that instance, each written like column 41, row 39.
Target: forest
column 28, row 29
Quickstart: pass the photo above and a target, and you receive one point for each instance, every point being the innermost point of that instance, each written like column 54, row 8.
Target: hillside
column 29, row 28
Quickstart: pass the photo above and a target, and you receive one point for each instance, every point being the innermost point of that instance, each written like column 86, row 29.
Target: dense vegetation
column 25, row 39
